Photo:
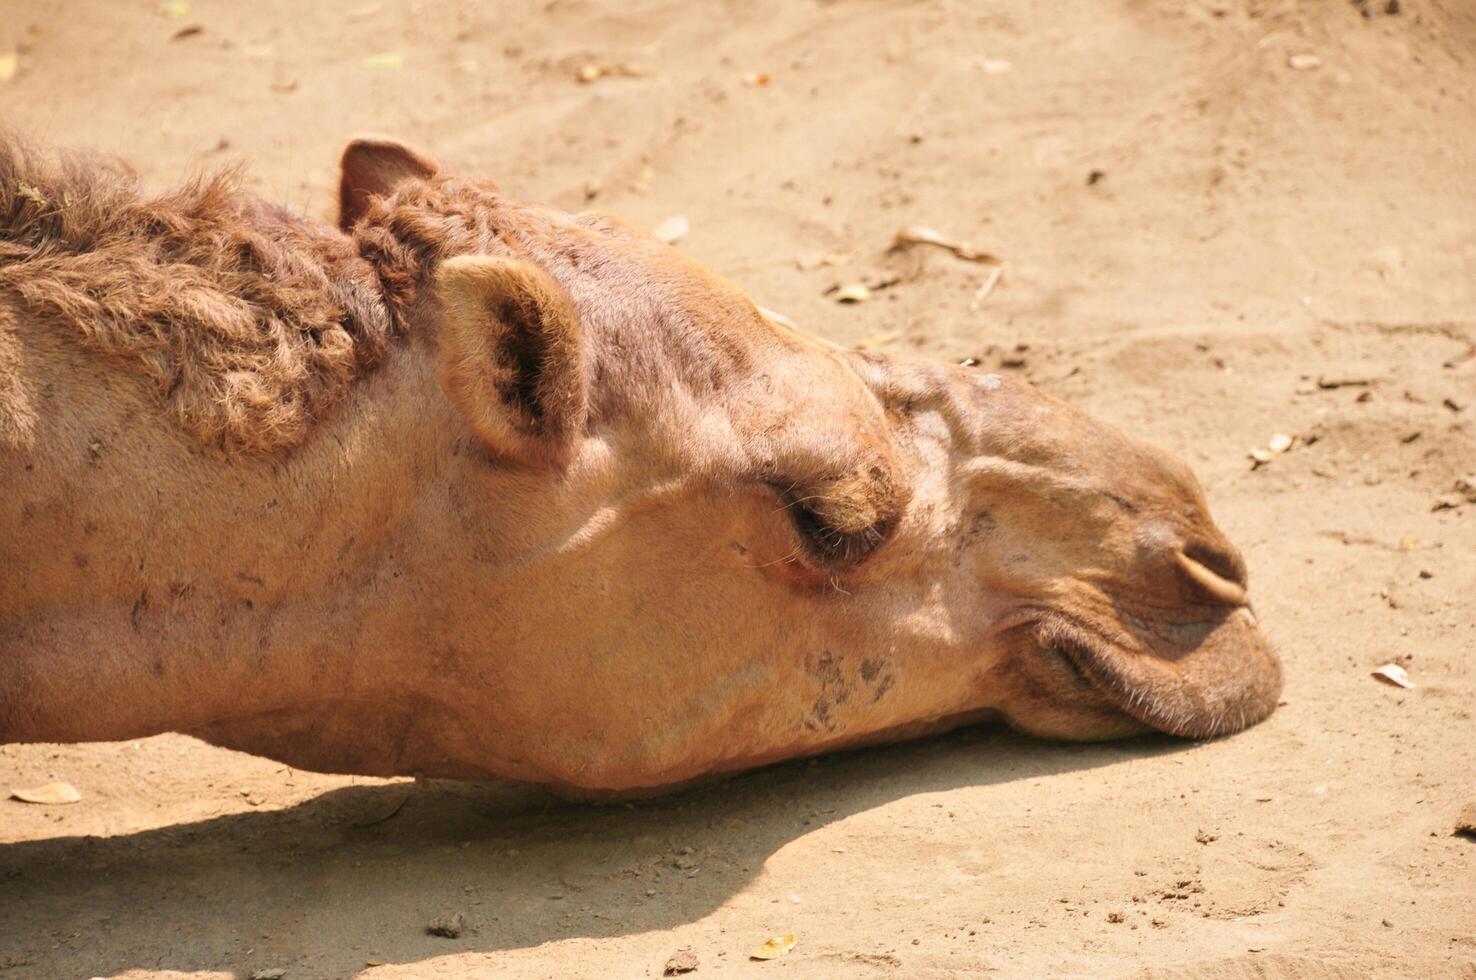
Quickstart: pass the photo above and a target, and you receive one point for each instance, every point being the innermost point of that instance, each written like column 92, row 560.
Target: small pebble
column 447, row 927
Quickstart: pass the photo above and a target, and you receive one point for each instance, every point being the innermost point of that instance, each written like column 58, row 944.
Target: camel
column 476, row 489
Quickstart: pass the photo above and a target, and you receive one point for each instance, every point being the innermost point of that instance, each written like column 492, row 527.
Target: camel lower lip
column 1220, row 686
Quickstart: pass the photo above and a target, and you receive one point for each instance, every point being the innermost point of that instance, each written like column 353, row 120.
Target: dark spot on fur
column 980, row 524
column 902, row 409
column 821, row 713
column 827, row 669
column 140, row 606
column 834, row 691
column 877, row 672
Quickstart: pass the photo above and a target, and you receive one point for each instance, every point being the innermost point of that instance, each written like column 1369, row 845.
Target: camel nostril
column 1223, row 560
column 1211, row 584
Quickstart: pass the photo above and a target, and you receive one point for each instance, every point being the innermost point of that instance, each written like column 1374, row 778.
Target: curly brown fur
column 251, row 322
column 405, row 234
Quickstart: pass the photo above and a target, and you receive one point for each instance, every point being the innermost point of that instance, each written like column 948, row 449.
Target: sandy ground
column 1211, row 238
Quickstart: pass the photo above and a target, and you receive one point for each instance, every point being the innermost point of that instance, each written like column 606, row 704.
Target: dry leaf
column 815, row 260
column 1463, row 493
column 1461, row 360
column 673, row 229
column 1394, row 674
column 9, row 65
column 275, row 973
column 755, row 79
column 774, row 947
column 879, row 340
column 591, row 72
column 385, row 59
column 53, row 794
column 189, row 30
column 175, row 8
column 855, row 292
column 986, row 287
column 1328, row 384
column 919, row 235
column 1278, row 444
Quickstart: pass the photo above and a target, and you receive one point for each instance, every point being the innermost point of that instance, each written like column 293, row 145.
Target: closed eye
column 825, row 544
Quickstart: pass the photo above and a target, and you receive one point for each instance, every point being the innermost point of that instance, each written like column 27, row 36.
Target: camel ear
column 372, row 166
column 512, row 357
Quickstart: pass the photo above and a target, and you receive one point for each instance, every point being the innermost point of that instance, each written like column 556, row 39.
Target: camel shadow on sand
column 322, row 887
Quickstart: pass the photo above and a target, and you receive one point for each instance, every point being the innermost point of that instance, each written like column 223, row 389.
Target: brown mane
column 251, row 322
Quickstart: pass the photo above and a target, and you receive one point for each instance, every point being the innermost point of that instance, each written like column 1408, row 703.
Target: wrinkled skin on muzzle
column 1120, row 604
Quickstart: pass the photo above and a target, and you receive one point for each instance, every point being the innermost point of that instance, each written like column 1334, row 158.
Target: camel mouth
column 1200, row 681
column 1068, row 650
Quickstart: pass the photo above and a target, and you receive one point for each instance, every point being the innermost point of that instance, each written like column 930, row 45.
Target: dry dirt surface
column 1222, row 220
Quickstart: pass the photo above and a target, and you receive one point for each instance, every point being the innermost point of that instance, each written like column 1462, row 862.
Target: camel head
column 794, row 545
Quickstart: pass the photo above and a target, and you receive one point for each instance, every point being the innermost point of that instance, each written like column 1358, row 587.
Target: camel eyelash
column 827, row 544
